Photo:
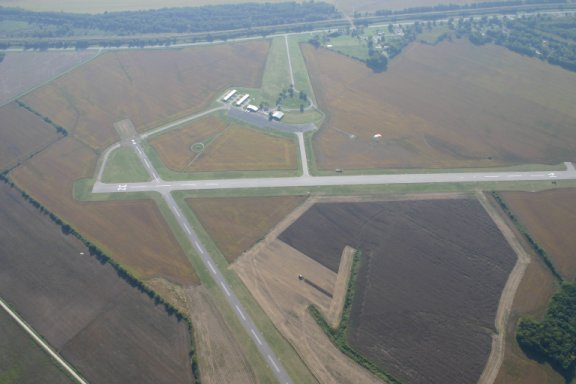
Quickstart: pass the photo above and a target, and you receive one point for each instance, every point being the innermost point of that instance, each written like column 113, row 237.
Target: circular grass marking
column 197, row 147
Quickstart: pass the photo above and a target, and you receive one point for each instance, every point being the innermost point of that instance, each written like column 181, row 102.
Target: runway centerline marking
column 240, row 312
column 273, row 363
column 256, row 336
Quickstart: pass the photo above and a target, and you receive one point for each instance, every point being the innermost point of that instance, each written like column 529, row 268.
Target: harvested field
column 22, row 135
column 429, row 285
column 22, row 361
column 236, row 224
column 108, row 330
column 133, row 232
column 224, row 146
column 149, row 87
column 448, row 106
column 22, row 71
column 550, row 217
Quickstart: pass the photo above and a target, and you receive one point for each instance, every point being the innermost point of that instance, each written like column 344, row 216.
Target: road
column 43, row 344
column 323, row 181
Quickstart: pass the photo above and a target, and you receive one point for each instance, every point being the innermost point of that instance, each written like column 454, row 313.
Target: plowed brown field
column 235, row 224
column 132, row 232
column 148, row 87
column 448, row 106
column 429, row 285
column 21, row 135
column 108, row 330
column 228, row 146
column 550, row 217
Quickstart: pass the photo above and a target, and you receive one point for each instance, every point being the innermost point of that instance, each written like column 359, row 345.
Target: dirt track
column 498, row 341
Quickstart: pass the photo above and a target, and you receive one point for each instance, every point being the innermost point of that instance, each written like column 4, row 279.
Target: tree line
column 122, row 272
column 548, row 38
column 170, row 20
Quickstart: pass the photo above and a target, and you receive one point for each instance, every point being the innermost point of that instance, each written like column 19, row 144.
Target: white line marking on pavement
column 225, row 289
column 196, row 244
column 211, row 267
column 240, row 312
column 164, row 185
column 188, row 230
column 274, row 363
column 514, row 175
column 256, row 336
column 495, row 176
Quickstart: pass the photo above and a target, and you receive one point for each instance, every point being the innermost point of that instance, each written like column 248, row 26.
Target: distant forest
column 168, row 20
column 549, row 38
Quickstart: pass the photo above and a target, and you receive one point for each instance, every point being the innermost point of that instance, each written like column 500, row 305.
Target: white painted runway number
column 122, row 187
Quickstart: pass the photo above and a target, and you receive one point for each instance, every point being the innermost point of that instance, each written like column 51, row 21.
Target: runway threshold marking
column 225, row 289
column 240, row 312
column 256, row 336
column 274, row 363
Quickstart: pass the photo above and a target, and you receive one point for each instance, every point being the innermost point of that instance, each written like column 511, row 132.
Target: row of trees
column 171, row 20
column 554, row 338
column 122, row 272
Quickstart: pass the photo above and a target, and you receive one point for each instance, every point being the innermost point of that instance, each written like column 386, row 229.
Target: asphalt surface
column 260, row 120
column 312, row 181
column 233, row 301
column 251, row 329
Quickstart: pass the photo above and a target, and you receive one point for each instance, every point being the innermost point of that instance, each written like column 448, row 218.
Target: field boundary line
column 496, row 357
column 42, row 343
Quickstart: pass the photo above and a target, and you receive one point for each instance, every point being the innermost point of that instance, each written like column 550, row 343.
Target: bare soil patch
column 22, row 135
column 134, row 232
column 236, row 224
column 21, row 359
column 22, row 71
column 550, row 217
column 430, row 282
column 226, row 146
column 148, row 87
column 105, row 328
column 448, row 106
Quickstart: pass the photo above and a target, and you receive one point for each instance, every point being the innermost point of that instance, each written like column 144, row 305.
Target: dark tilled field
column 428, row 289
column 21, row 359
column 108, row 330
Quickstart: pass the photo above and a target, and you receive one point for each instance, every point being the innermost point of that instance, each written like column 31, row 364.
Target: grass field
column 124, row 165
column 108, row 330
column 236, row 224
column 148, row 87
column 21, row 359
column 449, row 106
column 428, row 287
column 215, row 144
column 22, row 135
column 132, row 232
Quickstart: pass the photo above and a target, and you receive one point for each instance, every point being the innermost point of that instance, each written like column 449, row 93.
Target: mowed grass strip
column 22, row 360
column 22, row 134
column 133, row 232
column 107, row 329
column 215, row 144
column 549, row 217
column 148, row 87
column 236, row 224
column 453, row 105
column 124, row 165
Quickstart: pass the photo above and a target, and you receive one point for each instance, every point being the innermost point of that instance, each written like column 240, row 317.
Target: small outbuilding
column 252, row 108
column 277, row 115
